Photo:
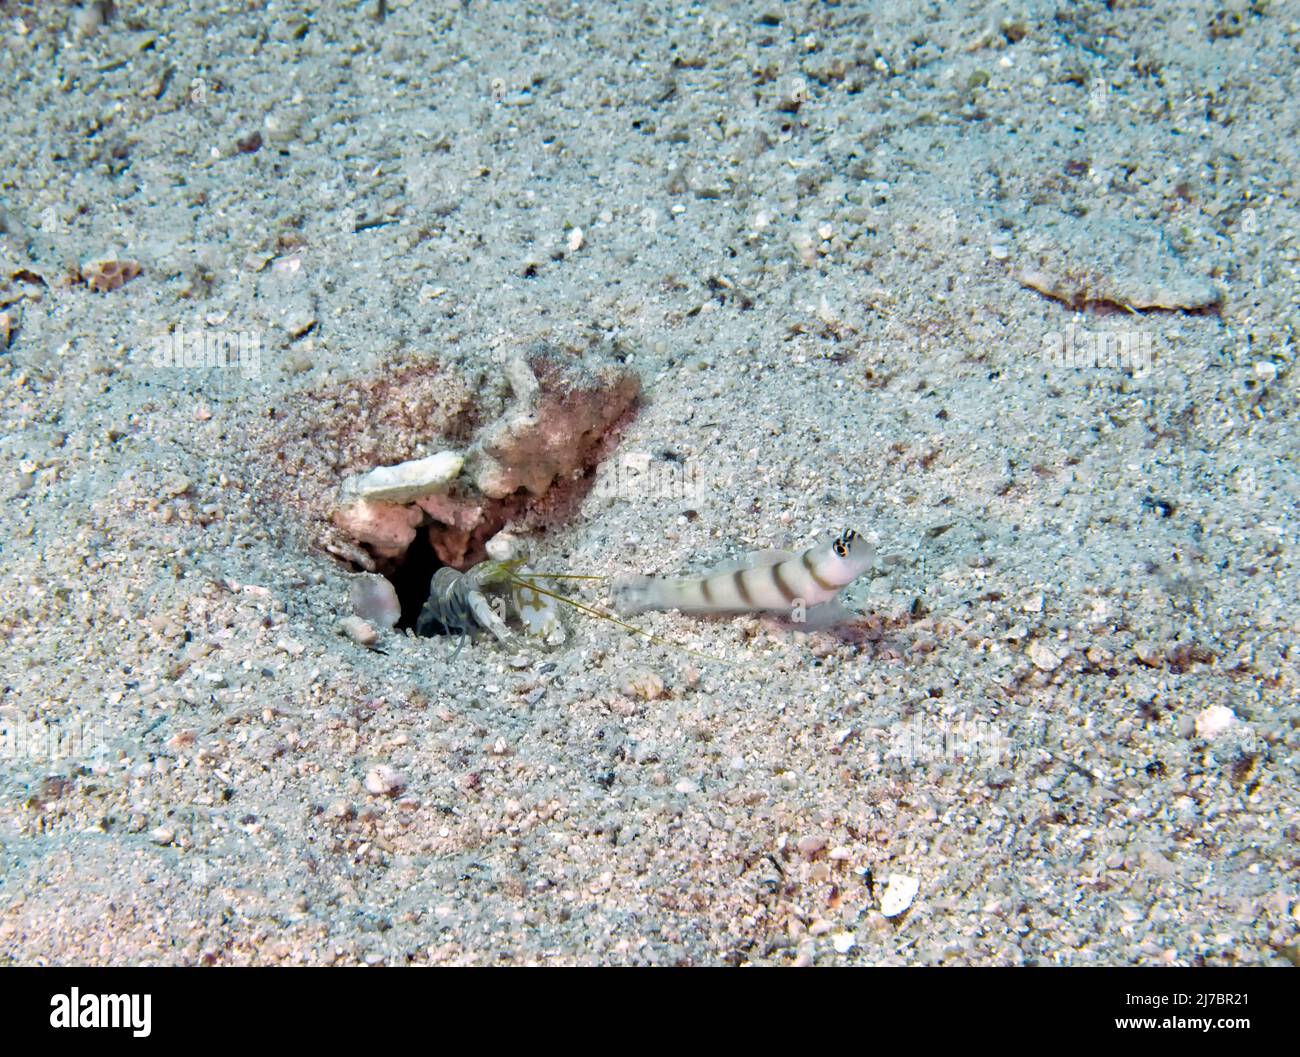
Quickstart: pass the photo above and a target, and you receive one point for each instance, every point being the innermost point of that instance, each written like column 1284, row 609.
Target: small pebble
column 810, row 846
column 645, row 685
column 504, row 546
column 359, row 631
column 384, row 781
column 339, row 809
column 1213, row 721
column 1149, row 653
column 1043, row 656
column 87, row 20
column 282, row 126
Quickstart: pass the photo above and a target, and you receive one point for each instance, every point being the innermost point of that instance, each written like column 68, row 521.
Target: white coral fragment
column 407, row 480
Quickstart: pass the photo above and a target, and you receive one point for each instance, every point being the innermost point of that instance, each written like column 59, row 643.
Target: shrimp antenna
column 592, row 611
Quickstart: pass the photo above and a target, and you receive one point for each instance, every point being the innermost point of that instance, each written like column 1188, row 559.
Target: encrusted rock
column 553, row 429
column 460, row 520
column 387, row 529
column 563, row 406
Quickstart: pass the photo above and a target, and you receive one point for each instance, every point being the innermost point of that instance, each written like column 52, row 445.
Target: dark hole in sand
column 411, row 576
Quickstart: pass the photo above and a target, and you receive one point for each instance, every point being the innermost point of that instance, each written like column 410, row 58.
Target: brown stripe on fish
column 825, row 585
column 692, row 588
column 787, row 592
column 742, row 589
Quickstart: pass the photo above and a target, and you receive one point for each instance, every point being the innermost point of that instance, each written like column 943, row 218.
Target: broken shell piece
column 1213, row 721
column 350, row 552
column 899, row 893
column 107, row 275
column 407, row 480
column 374, row 599
column 297, row 321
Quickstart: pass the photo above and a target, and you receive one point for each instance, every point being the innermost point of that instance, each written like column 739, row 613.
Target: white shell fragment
column 1213, row 721
column 374, row 599
column 1087, row 260
column 899, row 893
column 407, row 480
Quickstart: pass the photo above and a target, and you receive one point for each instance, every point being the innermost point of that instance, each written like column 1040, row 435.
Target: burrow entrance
column 410, row 578
column 530, row 442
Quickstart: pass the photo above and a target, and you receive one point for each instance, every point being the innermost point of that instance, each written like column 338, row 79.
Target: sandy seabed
column 1010, row 290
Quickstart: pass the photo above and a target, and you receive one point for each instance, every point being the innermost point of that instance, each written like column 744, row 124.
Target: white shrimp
column 457, row 602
